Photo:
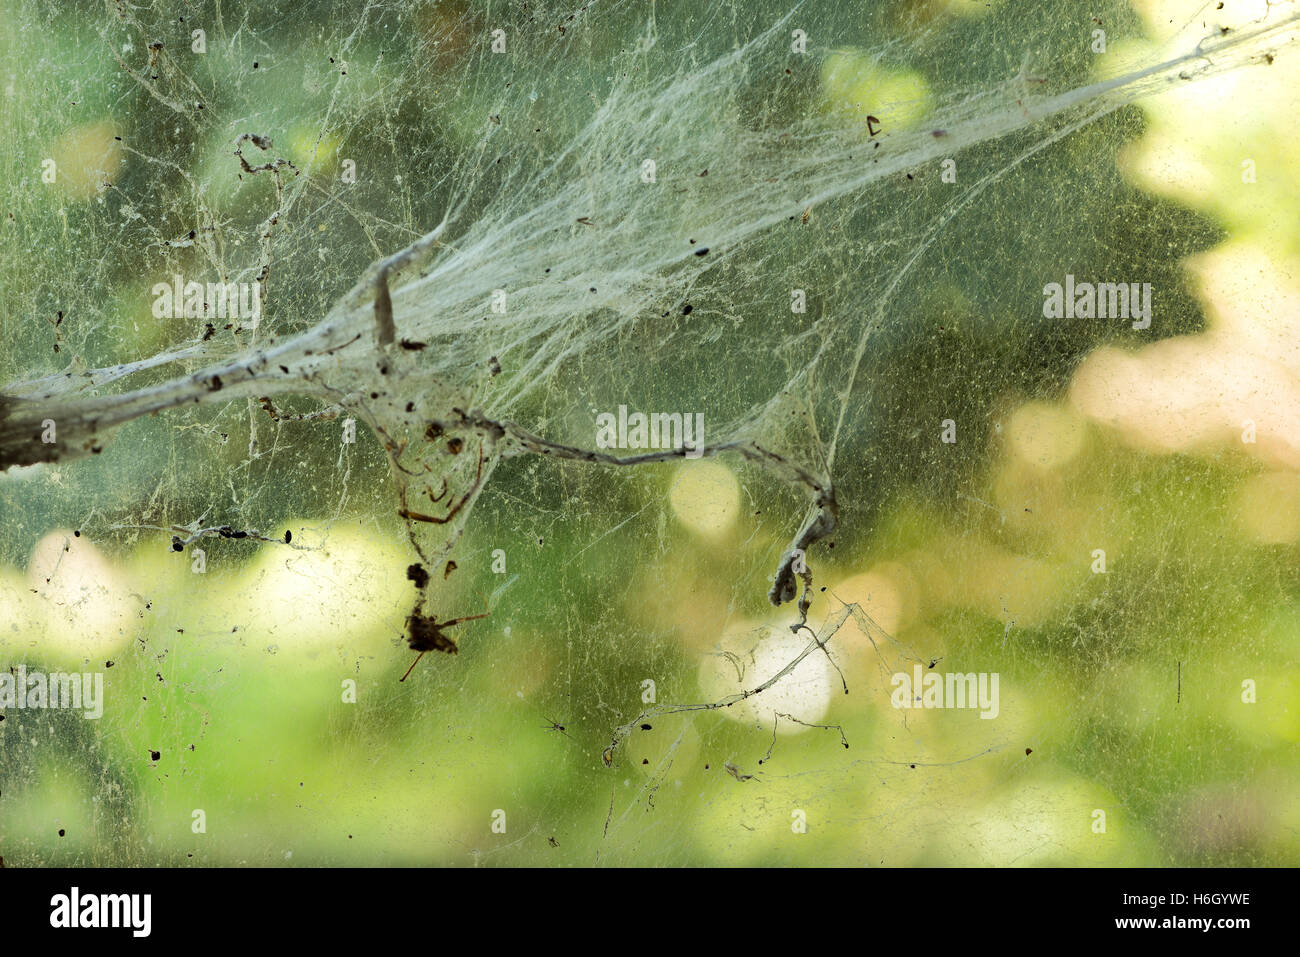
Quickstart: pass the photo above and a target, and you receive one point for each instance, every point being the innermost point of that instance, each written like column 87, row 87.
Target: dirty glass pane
column 679, row 433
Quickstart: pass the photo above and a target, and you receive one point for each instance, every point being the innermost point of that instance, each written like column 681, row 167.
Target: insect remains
column 736, row 773
column 427, row 635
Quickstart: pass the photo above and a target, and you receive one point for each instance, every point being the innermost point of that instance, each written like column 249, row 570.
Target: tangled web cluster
column 621, row 220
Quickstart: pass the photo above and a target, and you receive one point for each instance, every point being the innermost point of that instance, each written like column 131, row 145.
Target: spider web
column 468, row 247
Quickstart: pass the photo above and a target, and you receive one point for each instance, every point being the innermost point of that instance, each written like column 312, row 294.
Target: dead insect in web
column 427, row 635
column 455, row 446
column 427, row 632
column 417, row 574
column 736, row 773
